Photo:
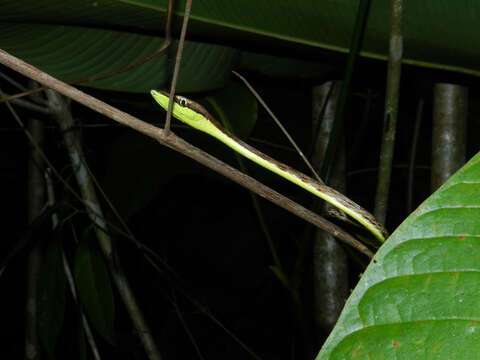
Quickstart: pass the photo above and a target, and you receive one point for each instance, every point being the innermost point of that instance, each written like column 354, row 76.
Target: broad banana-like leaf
column 73, row 52
column 74, row 39
column 419, row 297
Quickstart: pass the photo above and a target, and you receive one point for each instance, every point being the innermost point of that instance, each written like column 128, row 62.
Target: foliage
column 418, row 297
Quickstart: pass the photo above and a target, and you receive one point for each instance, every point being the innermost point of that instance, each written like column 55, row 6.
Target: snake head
column 187, row 111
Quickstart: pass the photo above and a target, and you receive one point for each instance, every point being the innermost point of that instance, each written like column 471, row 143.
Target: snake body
column 196, row 116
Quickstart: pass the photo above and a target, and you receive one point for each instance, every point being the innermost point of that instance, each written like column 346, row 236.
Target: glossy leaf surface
column 75, row 38
column 418, row 299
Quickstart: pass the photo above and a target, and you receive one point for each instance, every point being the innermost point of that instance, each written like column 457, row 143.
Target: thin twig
column 186, row 328
column 413, row 153
column 180, row 145
column 166, row 43
column 391, row 111
column 30, row 105
column 176, row 69
column 12, row 82
column 279, row 124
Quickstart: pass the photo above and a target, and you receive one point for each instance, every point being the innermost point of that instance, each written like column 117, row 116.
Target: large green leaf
column 437, row 33
column 72, row 52
column 418, row 298
column 104, row 35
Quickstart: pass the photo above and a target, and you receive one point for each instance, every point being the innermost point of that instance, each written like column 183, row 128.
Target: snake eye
column 182, row 101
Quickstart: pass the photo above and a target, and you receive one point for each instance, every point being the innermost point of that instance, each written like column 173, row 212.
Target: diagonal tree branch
column 178, row 144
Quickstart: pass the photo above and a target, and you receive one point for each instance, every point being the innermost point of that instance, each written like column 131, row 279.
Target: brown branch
column 166, row 43
column 181, row 146
column 176, row 69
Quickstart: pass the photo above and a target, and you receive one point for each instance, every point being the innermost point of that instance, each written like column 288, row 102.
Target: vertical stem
column 330, row 267
column 391, row 110
column 449, row 134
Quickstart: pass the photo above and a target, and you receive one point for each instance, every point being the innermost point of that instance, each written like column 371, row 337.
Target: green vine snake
column 195, row 115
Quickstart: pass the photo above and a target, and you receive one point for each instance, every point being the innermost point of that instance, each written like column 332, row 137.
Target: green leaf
column 433, row 34
column 71, row 52
column 419, row 297
column 104, row 35
column 51, row 304
column 94, row 289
